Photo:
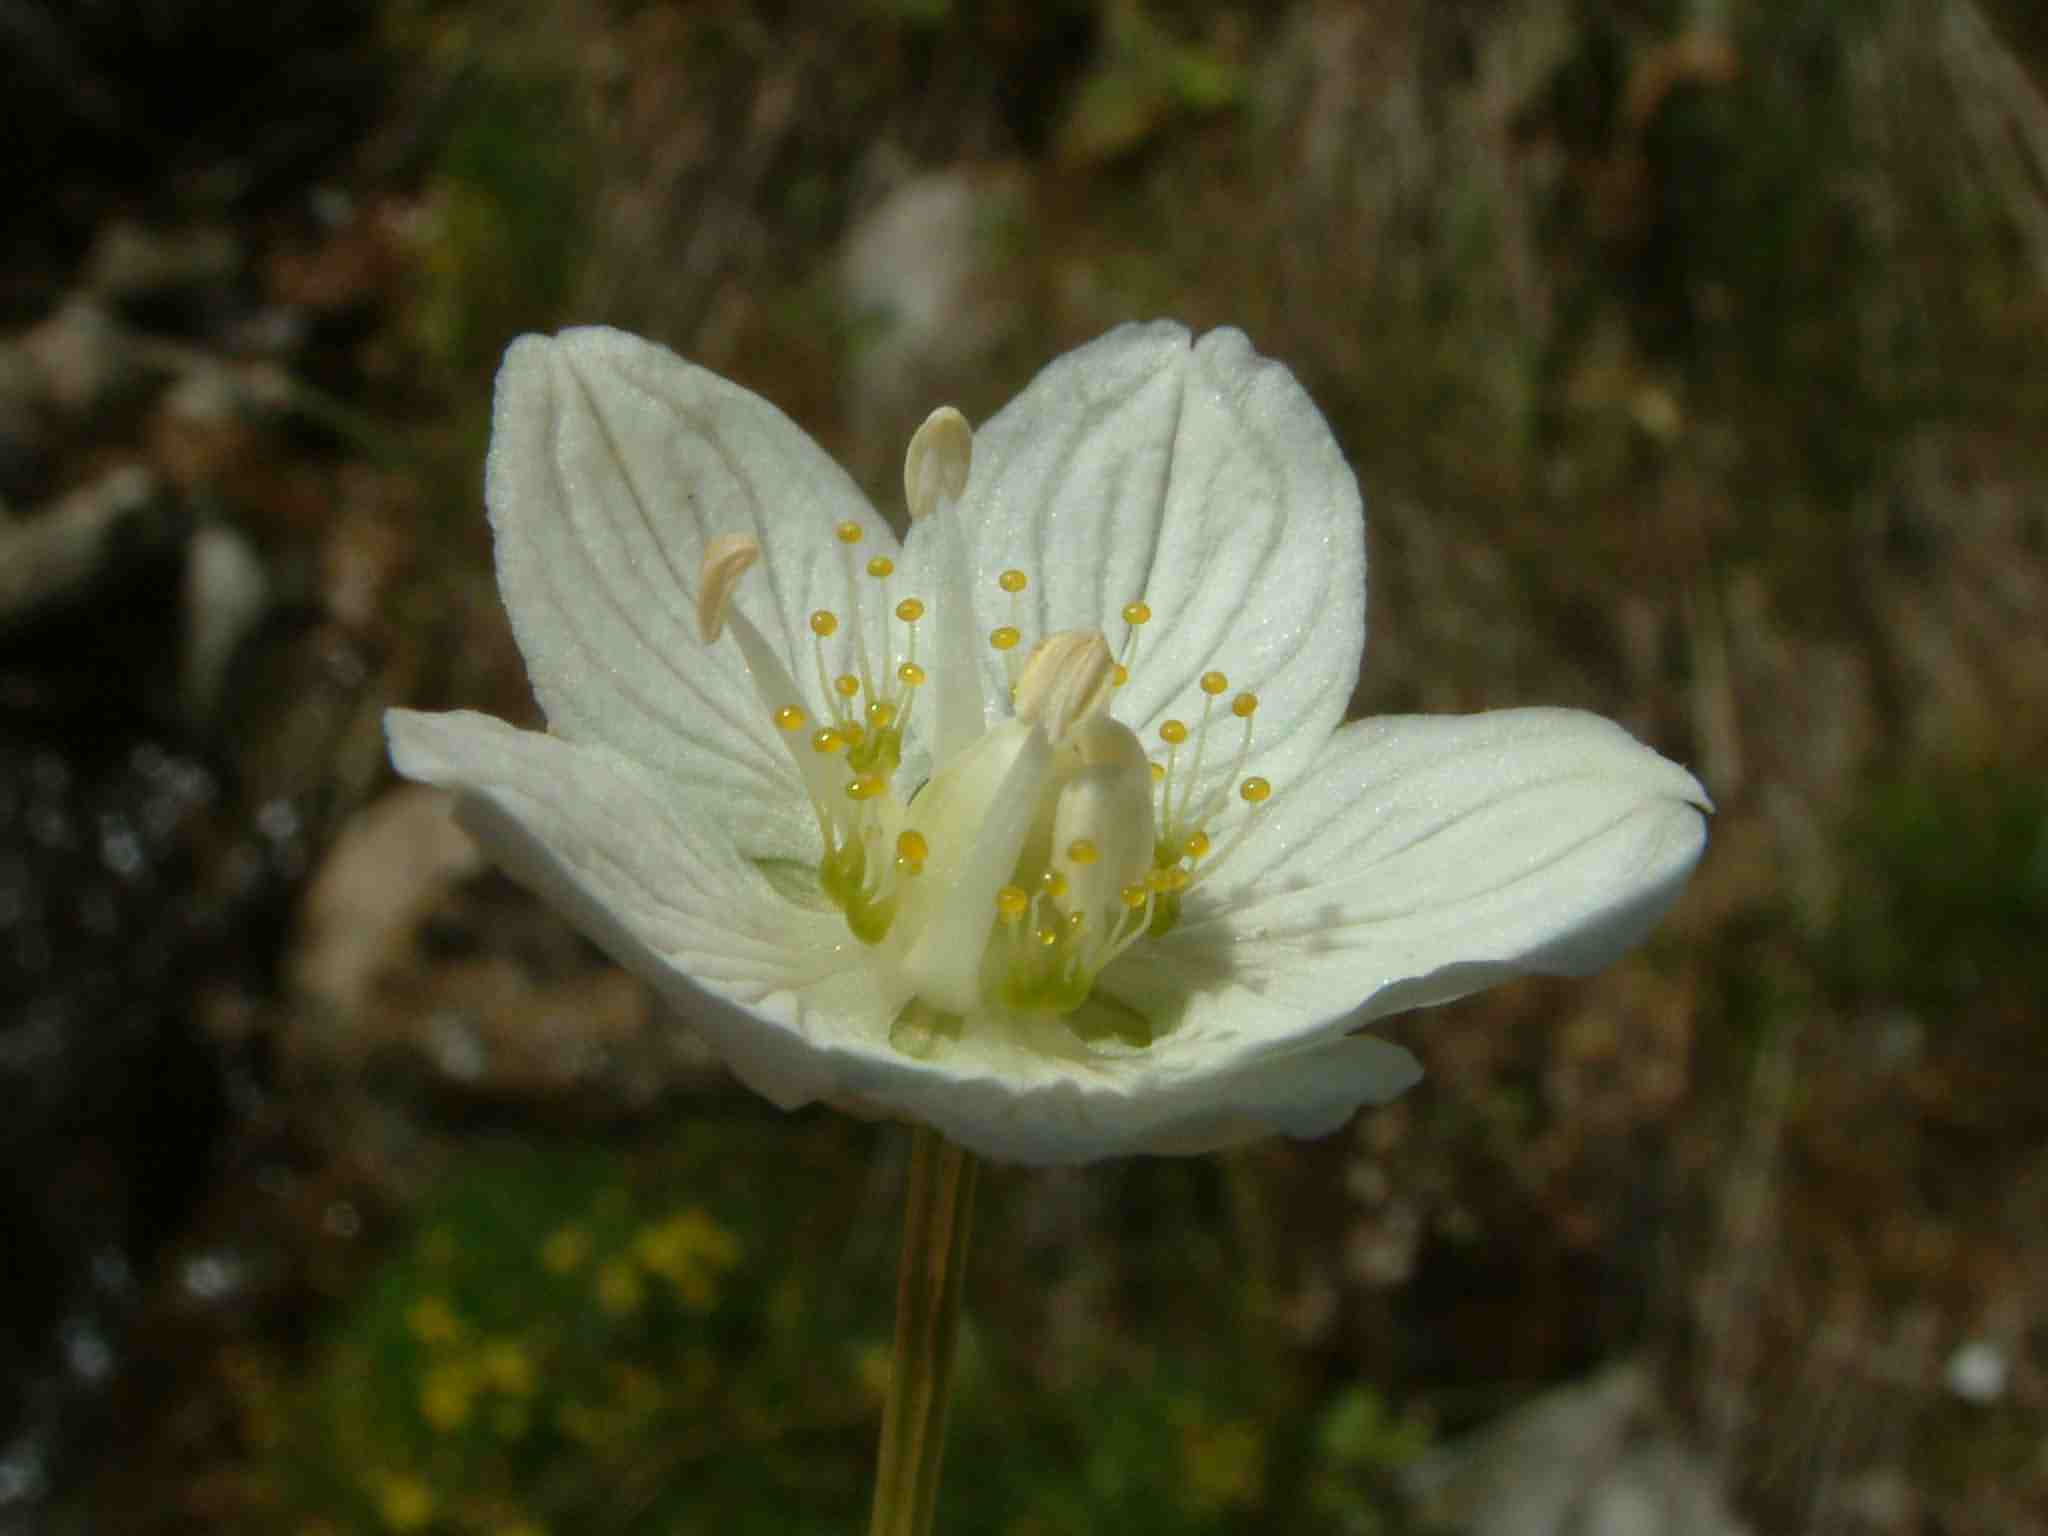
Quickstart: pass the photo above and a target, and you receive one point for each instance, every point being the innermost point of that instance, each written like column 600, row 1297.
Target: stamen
column 827, row 740
column 1011, row 903
column 865, row 786
column 1013, row 581
column 726, row 560
column 847, row 533
column 911, row 673
column 789, row 718
column 846, row 685
column 1197, row 844
column 1082, row 851
column 936, row 467
column 1255, row 790
column 881, row 567
column 910, row 610
column 824, row 623
column 1005, row 637
column 911, row 852
column 1214, row 683
column 1173, row 732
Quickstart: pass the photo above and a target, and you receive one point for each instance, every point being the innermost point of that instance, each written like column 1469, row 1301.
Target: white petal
column 1197, row 477
column 1424, row 858
column 598, row 836
column 613, row 463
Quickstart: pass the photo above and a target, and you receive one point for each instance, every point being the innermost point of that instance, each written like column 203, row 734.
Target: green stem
column 938, row 1211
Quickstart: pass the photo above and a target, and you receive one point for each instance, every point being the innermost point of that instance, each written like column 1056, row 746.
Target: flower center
column 1043, row 845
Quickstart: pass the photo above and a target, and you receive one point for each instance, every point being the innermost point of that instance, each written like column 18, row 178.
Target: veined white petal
column 602, row 839
column 613, row 463
column 1423, row 858
column 1197, row 477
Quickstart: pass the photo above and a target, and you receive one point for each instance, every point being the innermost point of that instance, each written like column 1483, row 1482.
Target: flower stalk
column 938, row 1215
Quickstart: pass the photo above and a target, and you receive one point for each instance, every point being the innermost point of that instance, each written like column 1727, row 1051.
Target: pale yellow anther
column 1158, row 772
column 1136, row 614
column 1196, row 845
column 726, row 559
column 1082, row 851
column 827, row 740
column 1173, row 732
column 847, row 533
column 935, row 468
column 1054, row 884
column 1013, row 581
column 1005, row 637
column 865, row 786
column 1064, row 681
column 846, row 685
column 912, row 850
column 1119, row 675
column 1255, row 790
column 881, row 714
column 1214, row 683
column 911, row 674
column 1011, row 903
column 1244, row 705
column 910, row 610
column 853, row 731
column 824, row 622
column 1176, row 877
column 1048, row 937
column 881, row 567
column 1132, row 896
column 789, row 718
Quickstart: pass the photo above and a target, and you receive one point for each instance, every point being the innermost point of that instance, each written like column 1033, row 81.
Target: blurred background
column 1691, row 355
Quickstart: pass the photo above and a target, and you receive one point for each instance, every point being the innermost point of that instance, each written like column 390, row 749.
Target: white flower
column 1041, row 827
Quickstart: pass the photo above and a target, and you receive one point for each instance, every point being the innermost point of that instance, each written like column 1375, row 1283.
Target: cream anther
column 726, row 559
column 936, row 466
column 1064, row 681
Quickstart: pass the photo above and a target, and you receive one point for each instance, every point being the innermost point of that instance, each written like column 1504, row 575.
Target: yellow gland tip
column 1196, row 845
column 1214, row 683
column 910, row 610
column 789, row 718
column 1004, row 638
column 1048, row 937
column 824, row 622
column 847, row 533
column 1158, row 771
column 1177, row 877
column 853, row 732
column 881, row 714
column 1244, row 705
column 1081, row 851
column 1119, row 675
column 1132, row 896
column 911, row 673
column 1136, row 613
column 865, row 786
column 1055, row 884
column 827, row 740
column 846, row 685
column 1255, row 789
column 1011, row 903
column 1013, row 581
column 912, row 849
column 1173, row 732
column 881, row 566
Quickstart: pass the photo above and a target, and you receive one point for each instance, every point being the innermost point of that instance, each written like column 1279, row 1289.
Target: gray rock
column 1591, row 1459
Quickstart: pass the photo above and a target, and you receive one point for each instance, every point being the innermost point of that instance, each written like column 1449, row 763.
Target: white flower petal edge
column 783, row 994
column 613, row 464
column 1423, row 858
column 1199, row 477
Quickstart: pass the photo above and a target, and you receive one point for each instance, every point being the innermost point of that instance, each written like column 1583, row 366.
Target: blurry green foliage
column 691, row 1338
column 1949, row 902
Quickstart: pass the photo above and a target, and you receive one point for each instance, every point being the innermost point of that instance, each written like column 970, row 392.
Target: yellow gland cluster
column 1044, row 845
